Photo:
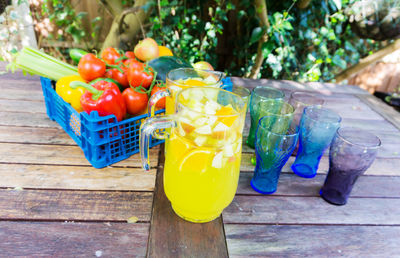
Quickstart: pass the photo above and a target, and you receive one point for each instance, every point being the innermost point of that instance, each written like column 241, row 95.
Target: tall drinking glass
column 300, row 100
column 275, row 142
column 352, row 152
column 203, row 151
column 241, row 91
column 317, row 127
column 260, row 94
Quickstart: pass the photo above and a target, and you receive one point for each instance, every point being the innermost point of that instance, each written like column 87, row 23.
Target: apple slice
column 220, row 131
column 200, row 140
column 206, row 130
column 217, row 160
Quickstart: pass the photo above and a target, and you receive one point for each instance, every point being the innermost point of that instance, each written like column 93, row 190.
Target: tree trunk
column 367, row 61
column 261, row 9
column 126, row 25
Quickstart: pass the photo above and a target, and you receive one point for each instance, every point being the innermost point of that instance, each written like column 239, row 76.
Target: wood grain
column 388, row 112
column 19, row 94
column 16, row 134
column 27, row 119
column 74, row 205
column 312, row 210
column 76, row 177
column 55, row 239
column 179, row 237
column 60, row 155
column 292, row 185
column 8, row 105
column 312, row 241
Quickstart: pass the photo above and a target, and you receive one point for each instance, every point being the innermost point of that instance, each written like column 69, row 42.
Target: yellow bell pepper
column 69, row 95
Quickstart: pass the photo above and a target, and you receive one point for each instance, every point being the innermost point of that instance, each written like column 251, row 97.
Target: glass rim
column 213, row 88
column 319, row 107
column 267, row 87
column 278, row 100
column 221, row 75
column 339, row 133
column 308, row 94
column 238, row 86
column 278, row 134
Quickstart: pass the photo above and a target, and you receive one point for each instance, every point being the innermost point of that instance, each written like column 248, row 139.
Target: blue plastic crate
column 103, row 139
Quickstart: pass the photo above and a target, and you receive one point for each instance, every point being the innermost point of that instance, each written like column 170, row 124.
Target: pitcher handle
column 148, row 128
column 155, row 98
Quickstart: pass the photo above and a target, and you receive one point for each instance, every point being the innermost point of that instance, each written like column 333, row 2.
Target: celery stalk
column 33, row 61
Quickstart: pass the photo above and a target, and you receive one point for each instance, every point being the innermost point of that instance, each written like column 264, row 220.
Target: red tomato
column 109, row 55
column 130, row 54
column 90, row 67
column 115, row 74
column 161, row 102
column 136, row 102
column 139, row 74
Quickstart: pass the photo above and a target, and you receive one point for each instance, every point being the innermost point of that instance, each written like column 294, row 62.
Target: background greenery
column 311, row 44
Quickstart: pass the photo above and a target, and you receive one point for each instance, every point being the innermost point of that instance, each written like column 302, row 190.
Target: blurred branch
column 114, row 7
column 126, row 25
column 262, row 13
column 367, row 61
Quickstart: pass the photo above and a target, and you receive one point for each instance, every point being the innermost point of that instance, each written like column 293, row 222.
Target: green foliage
column 312, row 44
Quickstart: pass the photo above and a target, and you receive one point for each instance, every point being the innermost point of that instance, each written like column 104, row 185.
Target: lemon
column 196, row 160
column 227, row 115
column 164, row 51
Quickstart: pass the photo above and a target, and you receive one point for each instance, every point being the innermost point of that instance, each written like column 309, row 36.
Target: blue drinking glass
column 317, row 127
column 275, row 142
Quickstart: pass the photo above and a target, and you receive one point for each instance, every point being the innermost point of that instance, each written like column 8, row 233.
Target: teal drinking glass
column 260, row 94
column 275, row 142
column 317, row 127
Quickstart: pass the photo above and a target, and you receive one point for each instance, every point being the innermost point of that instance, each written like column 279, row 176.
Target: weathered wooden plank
column 17, row 94
column 292, row 85
column 9, row 105
column 380, row 167
column 27, row 119
column 74, row 205
column 55, row 239
column 357, row 110
column 292, row 185
column 60, row 155
column 388, row 112
column 312, row 241
column 16, row 134
column 179, row 237
column 312, row 210
column 74, row 177
column 375, row 125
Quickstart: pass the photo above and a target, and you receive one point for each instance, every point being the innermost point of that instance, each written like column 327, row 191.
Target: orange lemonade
column 203, row 157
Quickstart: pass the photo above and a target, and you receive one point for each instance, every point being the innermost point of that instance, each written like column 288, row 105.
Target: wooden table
column 53, row 203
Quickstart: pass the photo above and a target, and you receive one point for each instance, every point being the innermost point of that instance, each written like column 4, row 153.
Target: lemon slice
column 196, row 160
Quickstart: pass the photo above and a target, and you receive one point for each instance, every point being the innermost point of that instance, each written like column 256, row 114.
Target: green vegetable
column 34, row 61
column 76, row 54
column 164, row 64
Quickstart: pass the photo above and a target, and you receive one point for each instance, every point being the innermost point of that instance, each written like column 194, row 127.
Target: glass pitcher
column 203, row 151
column 182, row 78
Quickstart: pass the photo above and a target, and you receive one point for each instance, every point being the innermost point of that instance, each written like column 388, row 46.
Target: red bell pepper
column 103, row 97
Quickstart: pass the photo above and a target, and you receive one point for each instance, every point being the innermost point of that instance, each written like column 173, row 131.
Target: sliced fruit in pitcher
column 196, row 160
